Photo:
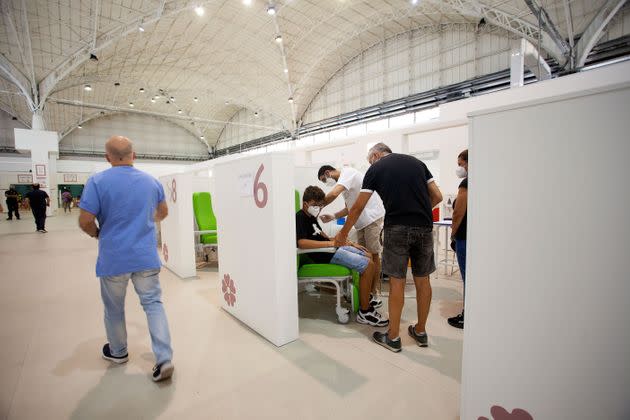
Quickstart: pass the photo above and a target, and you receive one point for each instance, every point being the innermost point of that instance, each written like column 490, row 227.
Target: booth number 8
column 258, row 187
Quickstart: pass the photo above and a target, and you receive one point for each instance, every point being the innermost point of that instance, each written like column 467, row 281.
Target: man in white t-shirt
column 348, row 182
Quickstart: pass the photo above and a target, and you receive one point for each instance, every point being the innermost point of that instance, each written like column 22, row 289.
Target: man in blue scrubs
column 127, row 203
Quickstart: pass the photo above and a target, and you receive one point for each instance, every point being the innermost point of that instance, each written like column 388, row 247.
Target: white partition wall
column 255, row 209
column 548, row 278
column 178, row 242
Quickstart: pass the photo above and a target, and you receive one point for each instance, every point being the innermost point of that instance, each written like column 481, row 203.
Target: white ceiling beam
column 593, row 32
column 508, row 22
column 29, row 54
column 105, row 40
column 569, row 18
column 154, row 114
column 548, row 26
column 97, row 9
column 12, row 74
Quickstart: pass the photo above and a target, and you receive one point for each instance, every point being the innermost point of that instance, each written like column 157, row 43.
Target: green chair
column 345, row 280
column 206, row 221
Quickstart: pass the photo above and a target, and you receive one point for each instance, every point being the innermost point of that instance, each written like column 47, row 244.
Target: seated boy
column 310, row 236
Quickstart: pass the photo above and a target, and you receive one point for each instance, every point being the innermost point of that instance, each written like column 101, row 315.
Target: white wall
column 150, row 136
column 413, row 62
column 547, row 310
column 10, row 167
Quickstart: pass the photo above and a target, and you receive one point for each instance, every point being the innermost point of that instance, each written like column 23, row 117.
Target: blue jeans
column 147, row 285
column 460, row 250
column 351, row 257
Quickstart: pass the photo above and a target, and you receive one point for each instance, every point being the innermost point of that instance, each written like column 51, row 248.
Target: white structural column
column 525, row 54
column 44, row 148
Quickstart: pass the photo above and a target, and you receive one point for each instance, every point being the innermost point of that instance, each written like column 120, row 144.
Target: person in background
column 38, row 200
column 348, row 182
column 12, row 202
column 409, row 194
column 459, row 230
column 309, row 235
column 66, row 199
column 127, row 203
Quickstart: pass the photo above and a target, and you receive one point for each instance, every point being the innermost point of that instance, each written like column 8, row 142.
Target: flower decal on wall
column 500, row 413
column 165, row 252
column 229, row 290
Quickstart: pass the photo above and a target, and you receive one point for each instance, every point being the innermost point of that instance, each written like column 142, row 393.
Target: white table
column 444, row 225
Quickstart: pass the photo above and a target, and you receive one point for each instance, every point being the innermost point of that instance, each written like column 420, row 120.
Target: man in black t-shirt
column 309, row 235
column 38, row 201
column 409, row 194
column 460, row 216
column 12, row 202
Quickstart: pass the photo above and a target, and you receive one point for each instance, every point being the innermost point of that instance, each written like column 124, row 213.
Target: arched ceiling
column 227, row 58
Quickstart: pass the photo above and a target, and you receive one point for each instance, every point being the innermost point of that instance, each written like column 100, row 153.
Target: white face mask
column 461, row 172
column 330, row 182
column 313, row 210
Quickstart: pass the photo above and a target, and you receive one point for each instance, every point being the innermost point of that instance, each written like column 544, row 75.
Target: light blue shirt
column 124, row 201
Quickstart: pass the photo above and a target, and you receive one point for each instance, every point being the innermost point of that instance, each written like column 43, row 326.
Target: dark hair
column 324, row 169
column 36, row 186
column 313, row 193
column 464, row 156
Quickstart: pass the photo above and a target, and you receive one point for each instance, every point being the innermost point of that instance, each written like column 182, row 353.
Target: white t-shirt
column 352, row 181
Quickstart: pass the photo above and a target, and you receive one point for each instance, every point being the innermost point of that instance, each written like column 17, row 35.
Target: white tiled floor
column 51, row 333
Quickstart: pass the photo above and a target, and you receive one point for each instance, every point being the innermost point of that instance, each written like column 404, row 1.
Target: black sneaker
column 382, row 339
column 375, row 302
column 371, row 317
column 457, row 321
column 107, row 355
column 422, row 339
column 162, row 371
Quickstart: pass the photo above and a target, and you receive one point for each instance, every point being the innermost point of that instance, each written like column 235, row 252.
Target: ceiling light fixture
column 131, row 104
column 202, row 137
column 227, row 102
column 247, row 2
column 271, row 10
column 278, row 38
column 414, row 2
column 199, row 10
column 179, row 111
column 141, row 90
column 157, row 96
column 172, row 99
column 87, row 88
column 141, row 28
column 291, row 100
column 195, row 99
column 79, row 126
column 153, row 100
column 256, row 114
column 286, row 70
column 116, row 84
column 93, row 57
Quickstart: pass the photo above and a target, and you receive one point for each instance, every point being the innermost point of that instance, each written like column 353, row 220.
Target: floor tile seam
column 21, row 376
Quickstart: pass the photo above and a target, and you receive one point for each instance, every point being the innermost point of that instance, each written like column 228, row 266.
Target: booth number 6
column 258, row 187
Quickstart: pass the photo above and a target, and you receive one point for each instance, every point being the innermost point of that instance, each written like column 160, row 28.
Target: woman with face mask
column 460, row 213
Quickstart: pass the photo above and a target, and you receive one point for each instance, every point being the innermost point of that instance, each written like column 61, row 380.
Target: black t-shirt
column 12, row 192
column 461, row 230
column 37, row 199
column 307, row 227
column 401, row 181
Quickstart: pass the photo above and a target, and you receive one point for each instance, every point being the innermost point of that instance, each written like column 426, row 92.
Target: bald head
column 119, row 151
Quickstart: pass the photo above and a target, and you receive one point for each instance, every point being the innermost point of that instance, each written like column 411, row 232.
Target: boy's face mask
column 314, row 210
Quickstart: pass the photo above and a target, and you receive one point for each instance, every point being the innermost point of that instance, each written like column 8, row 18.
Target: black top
column 401, row 181
column 461, row 230
column 14, row 193
column 307, row 227
column 37, row 199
